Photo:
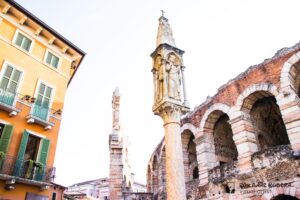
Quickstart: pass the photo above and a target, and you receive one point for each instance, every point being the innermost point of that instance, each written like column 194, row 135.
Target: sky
column 221, row 39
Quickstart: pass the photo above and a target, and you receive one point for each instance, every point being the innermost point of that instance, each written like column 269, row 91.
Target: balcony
column 28, row 172
column 7, row 102
column 40, row 115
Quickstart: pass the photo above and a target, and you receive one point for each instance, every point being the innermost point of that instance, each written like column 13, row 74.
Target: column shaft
column 174, row 162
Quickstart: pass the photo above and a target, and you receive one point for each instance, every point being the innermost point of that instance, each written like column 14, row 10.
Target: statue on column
column 116, row 109
column 168, row 78
column 174, row 79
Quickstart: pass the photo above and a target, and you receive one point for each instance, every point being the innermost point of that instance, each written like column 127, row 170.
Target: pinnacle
column 164, row 33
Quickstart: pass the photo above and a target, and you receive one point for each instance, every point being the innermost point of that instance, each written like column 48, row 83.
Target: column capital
column 170, row 112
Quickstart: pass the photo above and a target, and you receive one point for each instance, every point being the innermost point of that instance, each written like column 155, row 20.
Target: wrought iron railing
column 7, row 97
column 11, row 166
column 41, row 111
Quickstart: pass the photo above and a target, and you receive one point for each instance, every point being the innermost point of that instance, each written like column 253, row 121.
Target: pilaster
column 245, row 140
column 289, row 105
column 205, row 156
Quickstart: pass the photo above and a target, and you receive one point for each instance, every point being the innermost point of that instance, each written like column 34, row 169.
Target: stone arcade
column 242, row 143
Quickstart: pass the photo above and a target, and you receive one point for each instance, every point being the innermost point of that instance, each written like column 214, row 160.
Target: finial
column 162, row 13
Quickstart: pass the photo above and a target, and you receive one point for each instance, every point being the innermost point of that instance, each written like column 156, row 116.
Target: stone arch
column 266, row 121
column 284, row 197
column 190, row 127
column 290, row 74
column 189, row 153
column 215, row 122
column 290, row 93
column 206, row 124
column 254, row 92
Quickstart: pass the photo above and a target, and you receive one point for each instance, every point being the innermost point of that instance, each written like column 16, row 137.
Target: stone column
column 245, row 140
column 171, row 114
column 115, row 168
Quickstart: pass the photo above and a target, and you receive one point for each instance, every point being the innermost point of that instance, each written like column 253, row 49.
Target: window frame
column 52, row 94
column 17, row 32
column 48, row 85
column 41, row 137
column 3, row 69
column 55, row 54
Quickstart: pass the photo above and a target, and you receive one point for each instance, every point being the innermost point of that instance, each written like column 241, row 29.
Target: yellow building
column 36, row 66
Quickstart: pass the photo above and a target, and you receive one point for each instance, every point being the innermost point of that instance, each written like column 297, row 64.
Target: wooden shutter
column 43, row 154
column 5, row 138
column 22, row 148
column 4, row 142
column 40, row 174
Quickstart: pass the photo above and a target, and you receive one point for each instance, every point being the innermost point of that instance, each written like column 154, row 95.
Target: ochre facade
column 36, row 67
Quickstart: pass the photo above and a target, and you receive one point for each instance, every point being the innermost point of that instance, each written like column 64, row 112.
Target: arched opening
column 155, row 175
column 189, row 154
column 195, row 173
column 284, row 197
column 268, row 124
column 225, row 148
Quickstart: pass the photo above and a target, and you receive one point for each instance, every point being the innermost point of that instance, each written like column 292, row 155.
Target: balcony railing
column 25, row 170
column 40, row 115
column 41, row 112
column 7, row 101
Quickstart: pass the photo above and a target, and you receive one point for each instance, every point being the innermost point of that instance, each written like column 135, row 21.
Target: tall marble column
column 169, row 86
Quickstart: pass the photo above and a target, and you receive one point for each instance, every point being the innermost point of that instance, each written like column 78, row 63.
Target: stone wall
column 247, row 136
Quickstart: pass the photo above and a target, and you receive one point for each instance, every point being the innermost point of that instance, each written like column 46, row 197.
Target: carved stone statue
column 161, row 71
column 174, row 79
column 116, row 109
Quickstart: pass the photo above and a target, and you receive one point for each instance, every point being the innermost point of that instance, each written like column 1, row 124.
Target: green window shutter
column 42, row 159
column 43, row 154
column 22, row 148
column 5, row 138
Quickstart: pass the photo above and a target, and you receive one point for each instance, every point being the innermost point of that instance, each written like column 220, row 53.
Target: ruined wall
column 247, row 136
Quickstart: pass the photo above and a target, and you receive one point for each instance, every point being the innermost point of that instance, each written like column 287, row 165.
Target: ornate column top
column 164, row 33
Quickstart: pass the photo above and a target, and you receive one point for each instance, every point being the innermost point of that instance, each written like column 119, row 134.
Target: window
column 32, row 155
column 23, row 41
column 10, row 79
column 53, row 196
column 32, row 148
column 44, row 95
column 32, row 196
column 41, row 108
column 52, row 59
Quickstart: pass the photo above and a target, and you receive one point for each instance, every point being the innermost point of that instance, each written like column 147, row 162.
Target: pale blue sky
column 221, row 39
